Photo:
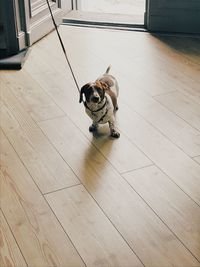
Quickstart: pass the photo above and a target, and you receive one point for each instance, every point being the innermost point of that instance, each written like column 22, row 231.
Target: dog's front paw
column 92, row 128
column 115, row 134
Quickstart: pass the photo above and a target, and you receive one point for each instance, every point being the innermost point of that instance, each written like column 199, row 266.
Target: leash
column 62, row 45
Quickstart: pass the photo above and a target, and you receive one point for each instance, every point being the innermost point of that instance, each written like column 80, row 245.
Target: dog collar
column 93, row 111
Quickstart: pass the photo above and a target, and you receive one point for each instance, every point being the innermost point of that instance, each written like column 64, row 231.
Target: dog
column 101, row 102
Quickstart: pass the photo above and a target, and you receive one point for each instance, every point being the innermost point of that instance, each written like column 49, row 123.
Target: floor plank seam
column 163, row 134
column 115, row 227
column 49, row 119
column 14, row 237
column 89, row 142
column 60, row 189
column 22, row 162
column 136, row 169
column 22, row 159
column 102, row 208
column 191, row 97
column 22, row 102
column 59, row 223
column 36, row 123
column 171, row 179
column 175, row 182
column 164, row 94
column 196, row 159
column 177, row 115
column 164, row 222
column 43, row 196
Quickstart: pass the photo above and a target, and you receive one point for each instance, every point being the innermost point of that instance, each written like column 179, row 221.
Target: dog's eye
column 88, row 93
column 99, row 90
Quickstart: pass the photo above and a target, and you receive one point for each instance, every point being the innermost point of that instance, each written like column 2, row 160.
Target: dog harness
column 94, row 112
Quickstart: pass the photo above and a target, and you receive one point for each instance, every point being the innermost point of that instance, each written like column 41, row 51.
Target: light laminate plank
column 122, row 154
column 183, row 107
column 188, row 47
column 170, row 203
column 48, row 169
column 97, row 241
column 168, row 157
column 164, row 64
column 31, row 96
column 175, row 128
column 10, row 255
column 183, row 73
column 145, row 233
column 37, row 231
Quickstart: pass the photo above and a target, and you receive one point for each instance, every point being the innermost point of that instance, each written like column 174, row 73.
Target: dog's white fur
column 103, row 110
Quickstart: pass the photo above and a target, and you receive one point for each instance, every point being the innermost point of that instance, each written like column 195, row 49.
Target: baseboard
column 14, row 62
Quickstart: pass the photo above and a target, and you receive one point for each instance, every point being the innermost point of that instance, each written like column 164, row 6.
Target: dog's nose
column 95, row 99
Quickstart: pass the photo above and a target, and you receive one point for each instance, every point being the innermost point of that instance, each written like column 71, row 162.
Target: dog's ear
column 83, row 90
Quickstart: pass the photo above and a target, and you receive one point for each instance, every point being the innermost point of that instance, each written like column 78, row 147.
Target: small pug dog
column 101, row 101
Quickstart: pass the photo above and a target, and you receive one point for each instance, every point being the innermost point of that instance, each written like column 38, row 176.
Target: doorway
column 134, row 8
column 130, row 13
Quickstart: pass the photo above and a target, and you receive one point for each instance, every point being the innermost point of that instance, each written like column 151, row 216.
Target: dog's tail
column 108, row 69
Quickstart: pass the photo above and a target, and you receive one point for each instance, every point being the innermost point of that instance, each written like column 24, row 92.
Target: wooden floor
column 72, row 199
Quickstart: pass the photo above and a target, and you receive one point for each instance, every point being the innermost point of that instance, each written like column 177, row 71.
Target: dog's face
column 94, row 92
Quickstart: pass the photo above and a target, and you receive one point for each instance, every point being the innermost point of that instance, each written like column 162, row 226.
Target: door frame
column 173, row 16
column 13, row 32
column 38, row 28
column 18, row 31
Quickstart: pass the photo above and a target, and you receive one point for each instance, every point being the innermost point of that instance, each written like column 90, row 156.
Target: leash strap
column 62, row 45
